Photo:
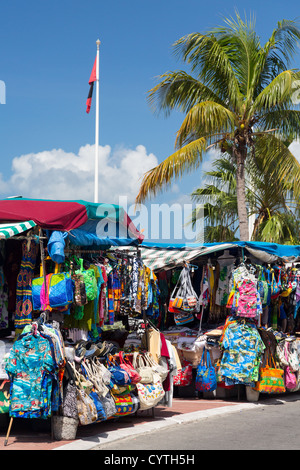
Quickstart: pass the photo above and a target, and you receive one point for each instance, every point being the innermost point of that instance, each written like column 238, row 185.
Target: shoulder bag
column 144, row 370
column 158, row 368
column 206, row 378
column 128, row 367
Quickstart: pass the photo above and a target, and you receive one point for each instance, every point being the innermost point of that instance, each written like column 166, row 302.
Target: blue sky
column 47, row 50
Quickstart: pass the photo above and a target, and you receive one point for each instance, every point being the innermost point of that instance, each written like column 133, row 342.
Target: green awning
column 11, row 229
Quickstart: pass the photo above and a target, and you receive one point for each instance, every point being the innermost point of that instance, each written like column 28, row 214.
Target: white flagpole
column 97, row 125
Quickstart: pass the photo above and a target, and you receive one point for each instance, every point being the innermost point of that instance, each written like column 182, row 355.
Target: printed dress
column 23, row 315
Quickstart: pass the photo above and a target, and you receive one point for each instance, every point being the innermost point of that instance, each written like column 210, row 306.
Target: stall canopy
column 160, row 255
column 12, row 229
column 86, row 224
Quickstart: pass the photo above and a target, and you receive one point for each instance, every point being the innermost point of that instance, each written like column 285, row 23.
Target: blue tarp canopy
column 160, row 255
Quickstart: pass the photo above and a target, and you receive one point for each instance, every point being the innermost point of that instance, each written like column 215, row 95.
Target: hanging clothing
column 23, row 314
column 30, row 365
column 242, row 350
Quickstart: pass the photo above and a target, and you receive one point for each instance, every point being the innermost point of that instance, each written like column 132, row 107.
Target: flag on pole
column 92, row 79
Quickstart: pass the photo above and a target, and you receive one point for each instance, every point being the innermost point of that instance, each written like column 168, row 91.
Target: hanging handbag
column 185, row 297
column 87, row 412
column 80, row 298
column 124, row 405
column 184, row 376
column 162, row 371
column 69, row 400
column 150, row 394
column 90, row 281
column 290, row 378
column 144, row 370
column 119, row 376
column 128, row 367
column 108, row 404
column 271, row 379
column 206, row 378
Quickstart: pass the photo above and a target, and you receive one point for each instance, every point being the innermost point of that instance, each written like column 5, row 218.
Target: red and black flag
column 92, row 79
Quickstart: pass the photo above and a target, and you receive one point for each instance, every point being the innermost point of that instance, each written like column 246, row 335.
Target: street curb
column 113, row 436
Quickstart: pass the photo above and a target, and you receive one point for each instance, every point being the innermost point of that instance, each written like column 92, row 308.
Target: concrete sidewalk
column 36, row 435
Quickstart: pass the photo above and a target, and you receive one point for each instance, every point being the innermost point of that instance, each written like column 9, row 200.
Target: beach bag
column 128, row 367
column 184, row 376
column 124, row 405
column 290, row 378
column 183, row 300
column 101, row 415
column 60, row 290
column 119, row 376
column 271, row 379
column 145, row 371
column 162, row 371
column 80, row 298
column 206, row 378
column 108, row 404
column 87, row 411
column 150, row 394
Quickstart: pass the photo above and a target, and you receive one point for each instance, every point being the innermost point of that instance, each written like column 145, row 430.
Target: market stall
column 79, row 310
column 246, row 298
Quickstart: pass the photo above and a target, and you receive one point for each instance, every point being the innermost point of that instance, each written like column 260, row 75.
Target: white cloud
column 57, row 174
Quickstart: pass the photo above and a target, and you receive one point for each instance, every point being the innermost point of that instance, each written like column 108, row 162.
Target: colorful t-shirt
column 242, row 350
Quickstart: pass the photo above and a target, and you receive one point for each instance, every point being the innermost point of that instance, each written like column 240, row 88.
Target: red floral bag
column 185, row 375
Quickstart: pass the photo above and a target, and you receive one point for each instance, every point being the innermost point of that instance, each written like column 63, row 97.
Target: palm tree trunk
column 240, row 154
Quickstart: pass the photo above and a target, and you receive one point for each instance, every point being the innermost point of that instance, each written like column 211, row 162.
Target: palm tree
column 241, row 95
column 274, row 207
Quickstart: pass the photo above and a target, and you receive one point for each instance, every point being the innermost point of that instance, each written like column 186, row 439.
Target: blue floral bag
column 206, row 377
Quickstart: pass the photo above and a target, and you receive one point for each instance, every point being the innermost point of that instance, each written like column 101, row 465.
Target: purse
column 108, row 404
column 128, row 367
column 271, row 379
column 162, row 371
column 119, row 376
column 290, row 379
column 150, row 394
column 185, row 301
column 144, row 370
column 206, row 378
column 124, row 405
column 87, row 412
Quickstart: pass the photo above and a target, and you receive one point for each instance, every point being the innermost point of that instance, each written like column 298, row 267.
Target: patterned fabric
column 30, row 365
column 243, row 348
column 23, row 315
column 247, row 303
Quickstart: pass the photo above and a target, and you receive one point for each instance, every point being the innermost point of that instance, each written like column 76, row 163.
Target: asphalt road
column 274, row 425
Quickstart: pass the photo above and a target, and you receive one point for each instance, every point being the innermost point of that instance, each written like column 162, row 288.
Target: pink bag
column 126, row 365
column 290, row 378
column 247, row 301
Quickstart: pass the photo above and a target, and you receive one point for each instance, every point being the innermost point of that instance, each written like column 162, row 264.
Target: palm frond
column 179, row 90
column 209, row 59
column 184, row 160
column 278, row 93
column 205, row 119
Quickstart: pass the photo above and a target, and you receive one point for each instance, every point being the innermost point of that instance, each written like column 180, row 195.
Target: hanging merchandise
column 150, row 394
column 128, row 367
column 271, row 379
column 242, row 349
column 206, row 379
column 185, row 375
column 144, row 369
column 33, row 367
column 23, row 313
column 184, row 301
